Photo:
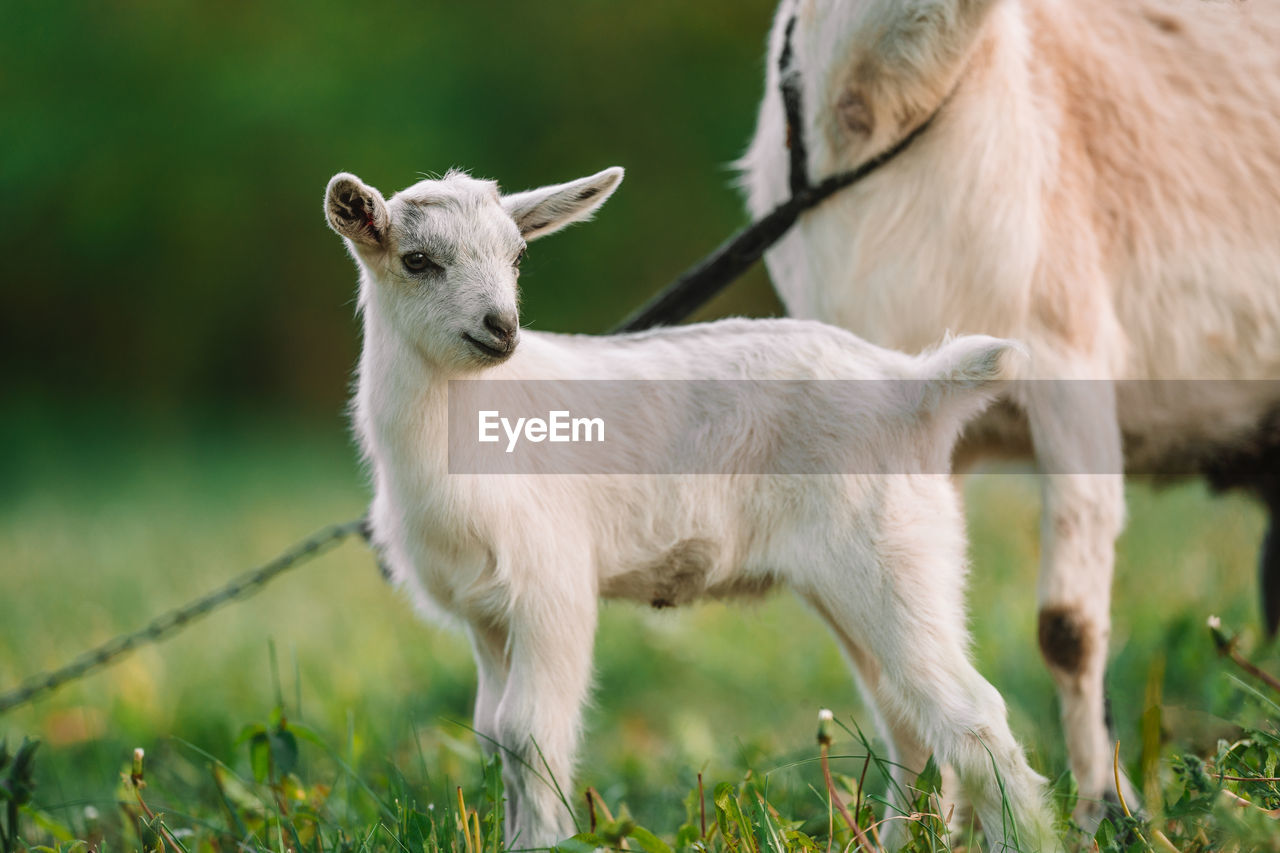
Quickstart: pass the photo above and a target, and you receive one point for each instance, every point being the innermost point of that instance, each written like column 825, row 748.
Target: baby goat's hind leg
column 901, row 602
column 937, row 699
column 906, row 755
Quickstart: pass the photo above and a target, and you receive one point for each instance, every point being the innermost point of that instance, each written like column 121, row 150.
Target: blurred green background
column 178, row 337
column 164, row 164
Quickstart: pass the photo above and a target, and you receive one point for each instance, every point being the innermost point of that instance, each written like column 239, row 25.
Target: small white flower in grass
column 91, row 814
column 1221, row 640
column 824, row 726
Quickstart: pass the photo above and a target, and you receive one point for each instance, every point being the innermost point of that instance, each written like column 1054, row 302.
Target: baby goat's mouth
column 490, row 352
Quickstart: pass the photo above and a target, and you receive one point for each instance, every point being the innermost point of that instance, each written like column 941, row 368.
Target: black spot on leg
column 1064, row 640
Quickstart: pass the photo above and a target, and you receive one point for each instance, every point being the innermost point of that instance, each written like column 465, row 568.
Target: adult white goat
column 1100, row 180
column 522, row 560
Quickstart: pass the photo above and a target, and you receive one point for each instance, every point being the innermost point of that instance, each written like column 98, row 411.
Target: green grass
column 100, row 528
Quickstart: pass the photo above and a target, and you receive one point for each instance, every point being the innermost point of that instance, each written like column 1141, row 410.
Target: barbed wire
column 167, row 623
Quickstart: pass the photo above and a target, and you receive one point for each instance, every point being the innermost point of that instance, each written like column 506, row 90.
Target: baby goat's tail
column 960, row 378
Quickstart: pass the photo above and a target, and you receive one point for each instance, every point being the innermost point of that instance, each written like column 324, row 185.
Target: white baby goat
column 522, row 560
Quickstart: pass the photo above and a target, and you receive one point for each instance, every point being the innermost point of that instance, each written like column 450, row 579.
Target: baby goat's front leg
column 538, row 719
column 489, row 644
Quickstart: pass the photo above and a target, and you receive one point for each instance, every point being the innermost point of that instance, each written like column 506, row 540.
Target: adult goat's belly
column 1203, row 313
column 1202, row 372
column 1178, row 427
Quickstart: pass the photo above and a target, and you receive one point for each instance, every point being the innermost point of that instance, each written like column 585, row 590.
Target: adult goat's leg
column 1077, row 444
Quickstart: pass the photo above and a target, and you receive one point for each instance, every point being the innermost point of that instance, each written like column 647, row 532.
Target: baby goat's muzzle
column 497, row 336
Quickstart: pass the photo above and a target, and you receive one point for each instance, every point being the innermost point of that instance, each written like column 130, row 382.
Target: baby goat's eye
column 419, row 262
column 520, row 256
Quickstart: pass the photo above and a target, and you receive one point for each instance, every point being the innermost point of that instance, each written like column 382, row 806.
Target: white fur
column 522, row 560
column 1101, row 182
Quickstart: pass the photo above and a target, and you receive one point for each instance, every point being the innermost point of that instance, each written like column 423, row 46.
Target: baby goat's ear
column 356, row 210
column 542, row 211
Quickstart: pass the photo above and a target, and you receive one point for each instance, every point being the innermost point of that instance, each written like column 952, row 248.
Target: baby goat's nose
column 502, row 326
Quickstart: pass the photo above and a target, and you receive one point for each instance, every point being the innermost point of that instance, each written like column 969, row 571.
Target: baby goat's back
column 735, row 348
column 732, row 449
